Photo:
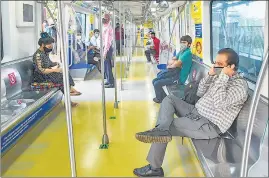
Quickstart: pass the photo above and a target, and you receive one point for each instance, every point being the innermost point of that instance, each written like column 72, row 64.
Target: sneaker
column 154, row 136
column 156, row 100
column 147, row 171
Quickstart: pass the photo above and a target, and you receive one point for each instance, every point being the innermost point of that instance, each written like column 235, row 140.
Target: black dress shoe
column 156, row 100
column 109, row 86
column 147, row 171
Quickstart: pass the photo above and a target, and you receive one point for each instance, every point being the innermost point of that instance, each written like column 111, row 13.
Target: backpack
column 169, row 73
column 190, row 92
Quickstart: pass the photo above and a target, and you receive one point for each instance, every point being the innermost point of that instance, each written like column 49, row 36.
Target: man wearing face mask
column 152, row 47
column 108, row 50
column 223, row 95
column 94, row 50
column 178, row 69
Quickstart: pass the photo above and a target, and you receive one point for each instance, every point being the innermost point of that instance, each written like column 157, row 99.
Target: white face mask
column 183, row 46
column 96, row 35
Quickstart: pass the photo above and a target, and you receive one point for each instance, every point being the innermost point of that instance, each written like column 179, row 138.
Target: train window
column 239, row 25
column 187, row 11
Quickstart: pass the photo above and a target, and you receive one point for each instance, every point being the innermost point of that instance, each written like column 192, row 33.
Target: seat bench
column 22, row 107
column 222, row 156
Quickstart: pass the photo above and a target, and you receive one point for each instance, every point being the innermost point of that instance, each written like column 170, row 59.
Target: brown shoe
column 73, row 104
column 75, row 93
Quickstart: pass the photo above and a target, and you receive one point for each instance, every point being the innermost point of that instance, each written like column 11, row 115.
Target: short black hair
column 45, row 39
column 232, row 56
column 186, row 38
column 95, row 30
column 153, row 33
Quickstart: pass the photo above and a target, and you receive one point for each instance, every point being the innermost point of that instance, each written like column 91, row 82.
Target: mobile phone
column 218, row 70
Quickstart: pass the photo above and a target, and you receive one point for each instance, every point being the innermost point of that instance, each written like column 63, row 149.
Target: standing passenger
column 108, row 51
column 119, row 37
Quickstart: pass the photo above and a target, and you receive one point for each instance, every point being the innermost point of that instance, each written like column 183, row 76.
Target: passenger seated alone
column 47, row 71
column 223, row 94
column 178, row 69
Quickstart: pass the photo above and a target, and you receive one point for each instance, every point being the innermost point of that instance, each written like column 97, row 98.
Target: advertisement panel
column 196, row 14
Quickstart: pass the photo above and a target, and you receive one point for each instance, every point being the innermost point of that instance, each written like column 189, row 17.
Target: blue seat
column 161, row 66
column 21, row 107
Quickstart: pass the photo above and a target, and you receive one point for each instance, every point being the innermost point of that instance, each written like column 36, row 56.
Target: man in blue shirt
column 94, row 50
column 178, row 69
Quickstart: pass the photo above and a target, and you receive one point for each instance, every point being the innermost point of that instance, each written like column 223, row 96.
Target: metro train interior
column 81, row 82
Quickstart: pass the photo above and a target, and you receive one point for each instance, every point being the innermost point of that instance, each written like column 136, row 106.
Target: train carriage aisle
column 44, row 150
column 58, row 52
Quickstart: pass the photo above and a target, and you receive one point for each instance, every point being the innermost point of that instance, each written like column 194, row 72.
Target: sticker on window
column 12, row 79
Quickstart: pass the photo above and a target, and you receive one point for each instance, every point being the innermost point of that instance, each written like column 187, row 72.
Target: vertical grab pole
column 115, row 52
column 120, row 45
column 129, row 43
column 131, row 40
column 105, row 139
column 251, row 117
column 67, row 91
column 125, row 43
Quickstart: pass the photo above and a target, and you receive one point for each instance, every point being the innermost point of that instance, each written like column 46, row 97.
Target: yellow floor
column 46, row 147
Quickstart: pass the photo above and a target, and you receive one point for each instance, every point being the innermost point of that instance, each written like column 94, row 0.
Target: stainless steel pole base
column 105, row 139
column 105, row 142
column 116, row 105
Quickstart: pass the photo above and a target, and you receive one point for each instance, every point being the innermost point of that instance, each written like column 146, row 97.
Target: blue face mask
column 96, row 35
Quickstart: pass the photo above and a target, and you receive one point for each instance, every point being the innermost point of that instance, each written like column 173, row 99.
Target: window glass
column 240, row 25
column 79, row 23
column 182, row 24
column 187, row 11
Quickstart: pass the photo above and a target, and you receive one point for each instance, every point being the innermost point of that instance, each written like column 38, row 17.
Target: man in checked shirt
column 223, row 94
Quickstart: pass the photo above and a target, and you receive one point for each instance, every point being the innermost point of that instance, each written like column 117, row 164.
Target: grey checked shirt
column 221, row 99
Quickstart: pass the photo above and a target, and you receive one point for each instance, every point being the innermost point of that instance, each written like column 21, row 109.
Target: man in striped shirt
column 223, row 93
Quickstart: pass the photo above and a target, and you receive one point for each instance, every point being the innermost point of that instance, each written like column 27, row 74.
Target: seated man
column 223, row 94
column 152, row 46
column 94, row 50
column 178, row 69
